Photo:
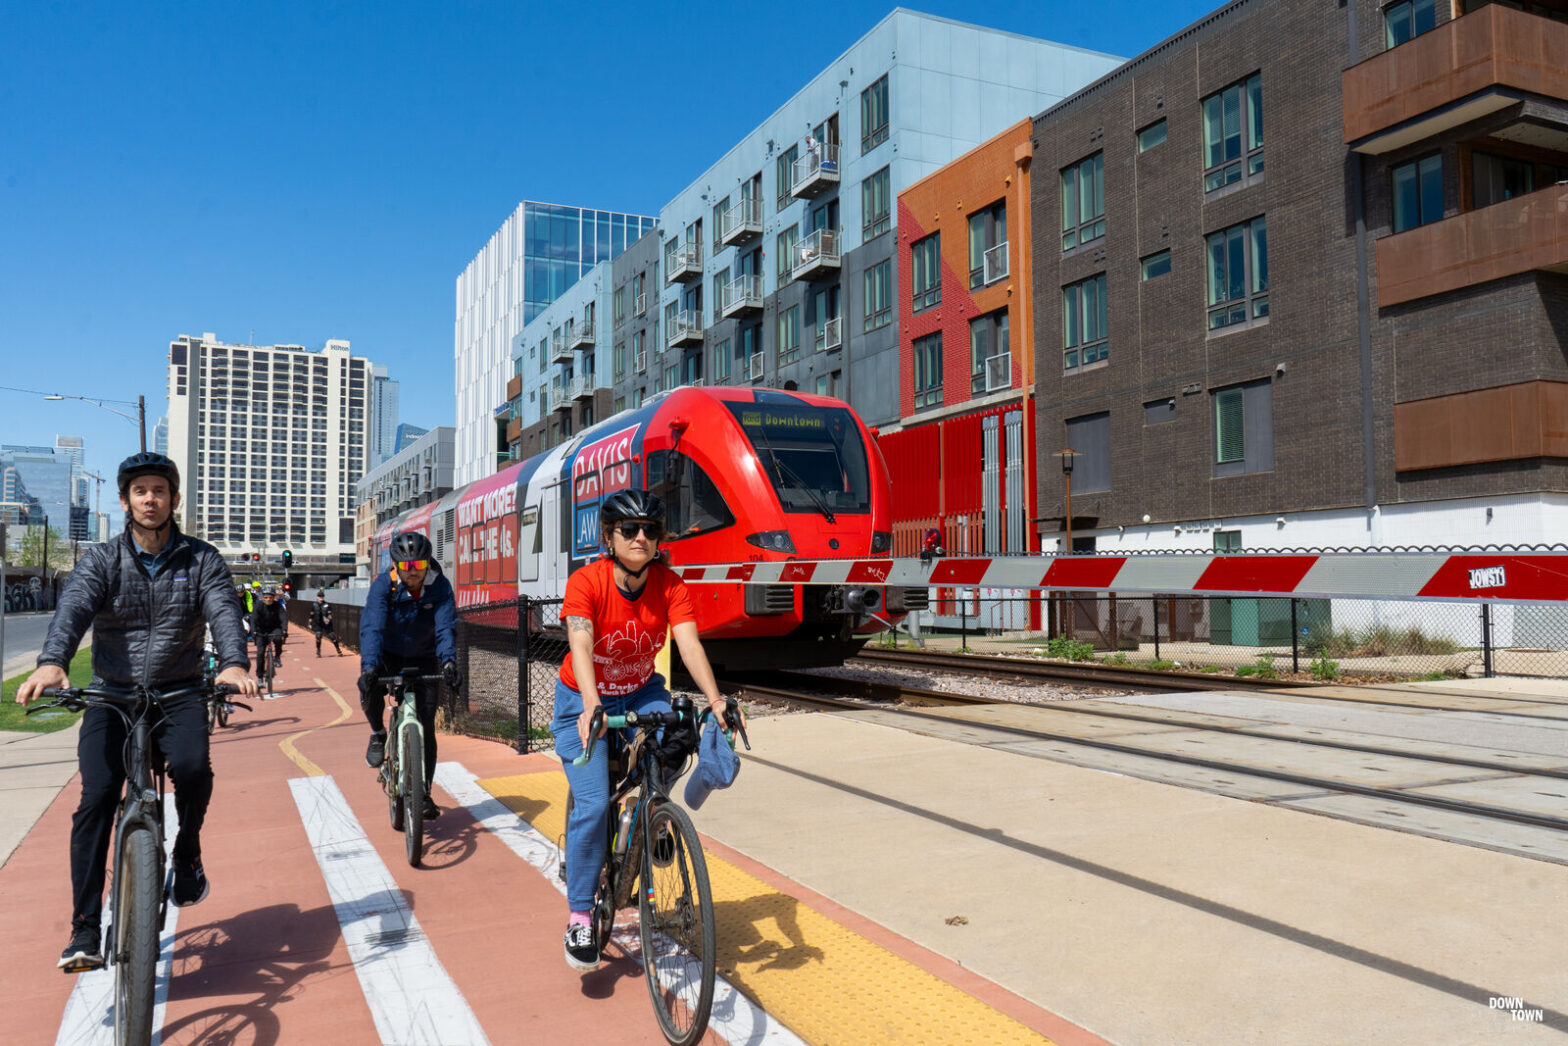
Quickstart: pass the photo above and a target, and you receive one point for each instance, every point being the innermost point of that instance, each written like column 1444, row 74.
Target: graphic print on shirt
column 623, row 660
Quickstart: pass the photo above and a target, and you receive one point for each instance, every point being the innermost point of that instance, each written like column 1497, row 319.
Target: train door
column 554, row 538
column 528, row 545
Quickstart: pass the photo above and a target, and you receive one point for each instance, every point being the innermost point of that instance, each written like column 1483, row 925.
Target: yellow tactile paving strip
column 825, row 982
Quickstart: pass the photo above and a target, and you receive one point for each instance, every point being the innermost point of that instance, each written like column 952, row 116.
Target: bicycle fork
column 142, row 811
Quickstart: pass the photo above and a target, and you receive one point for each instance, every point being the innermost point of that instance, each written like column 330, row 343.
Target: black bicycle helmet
column 631, row 504
column 148, row 463
column 411, row 545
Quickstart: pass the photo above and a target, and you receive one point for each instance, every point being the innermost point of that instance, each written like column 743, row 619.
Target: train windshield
column 813, row 456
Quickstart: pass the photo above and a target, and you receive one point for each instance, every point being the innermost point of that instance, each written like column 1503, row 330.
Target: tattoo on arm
column 579, row 624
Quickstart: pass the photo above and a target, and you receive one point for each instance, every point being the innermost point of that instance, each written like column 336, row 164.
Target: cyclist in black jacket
column 321, row 623
column 147, row 596
column 269, row 624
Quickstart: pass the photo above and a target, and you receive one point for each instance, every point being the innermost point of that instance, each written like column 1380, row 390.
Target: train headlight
column 772, row 540
column 881, row 540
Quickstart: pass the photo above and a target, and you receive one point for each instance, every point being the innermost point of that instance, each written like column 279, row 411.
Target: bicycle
column 218, row 711
column 402, row 771
column 267, row 663
column 140, row 895
column 652, row 841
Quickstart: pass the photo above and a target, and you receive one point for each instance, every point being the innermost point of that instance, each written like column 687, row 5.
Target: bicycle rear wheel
column 411, row 762
column 136, row 893
column 676, row 914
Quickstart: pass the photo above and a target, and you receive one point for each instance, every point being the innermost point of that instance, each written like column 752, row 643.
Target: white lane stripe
column 411, row 997
column 734, row 1016
column 89, row 1017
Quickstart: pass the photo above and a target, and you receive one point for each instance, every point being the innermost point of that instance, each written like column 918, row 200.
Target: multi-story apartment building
column 778, row 262
column 539, row 251
column 1347, row 332
column 270, row 440
column 961, row 456
column 560, row 368
column 414, row 476
column 635, row 354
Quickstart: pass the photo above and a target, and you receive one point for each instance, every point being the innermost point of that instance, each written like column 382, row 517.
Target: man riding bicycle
column 321, row 622
column 146, row 595
column 617, row 610
column 268, row 624
column 409, row 624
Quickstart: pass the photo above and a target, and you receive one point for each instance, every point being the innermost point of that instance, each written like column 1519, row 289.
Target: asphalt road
column 24, row 638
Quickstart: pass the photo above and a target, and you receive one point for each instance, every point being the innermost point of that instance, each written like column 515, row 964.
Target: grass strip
column 12, row 715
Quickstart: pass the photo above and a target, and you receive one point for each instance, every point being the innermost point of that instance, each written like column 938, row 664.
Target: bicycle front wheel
column 412, row 764
column 676, row 914
column 135, row 937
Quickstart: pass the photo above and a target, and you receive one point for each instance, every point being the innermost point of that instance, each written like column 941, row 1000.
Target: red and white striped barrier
column 1499, row 577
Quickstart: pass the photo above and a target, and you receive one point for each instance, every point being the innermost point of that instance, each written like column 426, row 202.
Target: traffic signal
column 288, row 558
column 287, row 587
column 255, row 557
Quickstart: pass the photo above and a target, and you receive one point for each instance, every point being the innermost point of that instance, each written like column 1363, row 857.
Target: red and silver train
column 748, row 475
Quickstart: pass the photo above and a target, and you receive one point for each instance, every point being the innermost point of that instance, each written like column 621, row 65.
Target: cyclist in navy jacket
column 409, row 624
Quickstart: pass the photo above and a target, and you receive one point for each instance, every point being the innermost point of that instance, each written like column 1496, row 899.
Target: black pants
column 374, row 702
column 327, row 630
column 182, row 738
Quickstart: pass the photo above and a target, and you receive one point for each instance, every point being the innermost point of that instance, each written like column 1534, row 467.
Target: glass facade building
column 539, row 252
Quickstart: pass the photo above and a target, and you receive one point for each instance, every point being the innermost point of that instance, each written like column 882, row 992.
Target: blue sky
column 292, row 172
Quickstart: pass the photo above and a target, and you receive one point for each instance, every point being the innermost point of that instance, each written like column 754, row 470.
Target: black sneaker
column 582, row 951
column 190, row 884
column 377, row 749
column 83, row 953
column 432, row 811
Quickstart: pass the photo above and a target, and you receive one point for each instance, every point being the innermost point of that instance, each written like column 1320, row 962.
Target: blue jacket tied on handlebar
column 395, row 625
column 717, row 765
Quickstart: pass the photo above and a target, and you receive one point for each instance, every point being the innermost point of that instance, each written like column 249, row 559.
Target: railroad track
column 832, row 693
column 1140, row 680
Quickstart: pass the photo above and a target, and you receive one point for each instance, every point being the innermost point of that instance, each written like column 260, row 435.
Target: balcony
column 558, row 398
column 1519, row 235
column 640, row 304
column 683, row 263
column 686, row 328
column 514, row 387
column 741, row 223
column 640, row 361
column 816, row 171
column 756, row 366
column 580, row 336
column 816, row 255
column 560, row 350
column 740, row 296
column 999, row 372
column 514, row 430
column 581, row 389
column 1460, row 71
column 994, row 262
column 832, row 334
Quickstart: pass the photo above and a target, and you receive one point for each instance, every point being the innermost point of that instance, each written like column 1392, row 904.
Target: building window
column 620, row 306
column 1151, row 136
column 1090, row 436
column 1231, row 117
column 618, row 360
column 1158, row 412
column 1498, row 178
column 873, row 115
column 789, row 335
column 988, row 231
column 990, row 362
column 1086, row 327
column 786, row 253
column 879, row 294
column 1243, row 429
column 1418, row 192
column 1408, row 20
column 925, row 260
column 1238, row 274
column 784, row 176
column 719, row 210
column 928, row 371
column 1083, row 202
column 876, row 204
column 1156, row 265
column 721, row 362
column 825, row 319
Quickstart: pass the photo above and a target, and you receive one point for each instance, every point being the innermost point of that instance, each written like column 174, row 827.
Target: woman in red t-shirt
column 616, row 611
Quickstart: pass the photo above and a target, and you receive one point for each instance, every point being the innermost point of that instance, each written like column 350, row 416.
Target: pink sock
column 580, row 919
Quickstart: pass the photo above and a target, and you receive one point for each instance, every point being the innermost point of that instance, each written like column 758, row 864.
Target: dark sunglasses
column 412, row 564
column 629, row 527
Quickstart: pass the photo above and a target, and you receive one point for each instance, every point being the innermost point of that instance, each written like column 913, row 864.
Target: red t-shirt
column 627, row 633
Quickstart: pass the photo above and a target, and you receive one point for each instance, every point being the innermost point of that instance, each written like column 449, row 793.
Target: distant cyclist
column 617, row 610
column 321, row 622
column 268, row 624
column 146, row 595
column 409, row 624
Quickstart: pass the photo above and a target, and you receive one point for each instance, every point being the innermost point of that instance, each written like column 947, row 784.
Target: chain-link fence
column 1321, row 638
column 501, row 698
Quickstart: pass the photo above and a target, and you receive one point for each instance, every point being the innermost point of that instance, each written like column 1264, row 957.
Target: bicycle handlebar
column 652, row 721
column 403, row 678
column 76, row 698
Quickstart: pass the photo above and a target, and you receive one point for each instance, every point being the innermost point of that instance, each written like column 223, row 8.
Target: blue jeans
column 588, row 829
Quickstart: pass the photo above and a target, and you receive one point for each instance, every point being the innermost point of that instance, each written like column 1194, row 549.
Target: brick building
column 1349, row 331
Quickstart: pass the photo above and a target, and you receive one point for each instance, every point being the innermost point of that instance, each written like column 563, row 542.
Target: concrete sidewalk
column 33, row 769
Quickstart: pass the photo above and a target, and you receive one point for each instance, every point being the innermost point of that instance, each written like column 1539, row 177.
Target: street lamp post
column 140, row 417
column 1067, row 457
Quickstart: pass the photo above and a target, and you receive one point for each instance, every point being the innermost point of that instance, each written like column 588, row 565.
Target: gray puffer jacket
column 148, row 630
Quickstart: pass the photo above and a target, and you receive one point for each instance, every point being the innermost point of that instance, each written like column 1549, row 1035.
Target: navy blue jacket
column 395, row 626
